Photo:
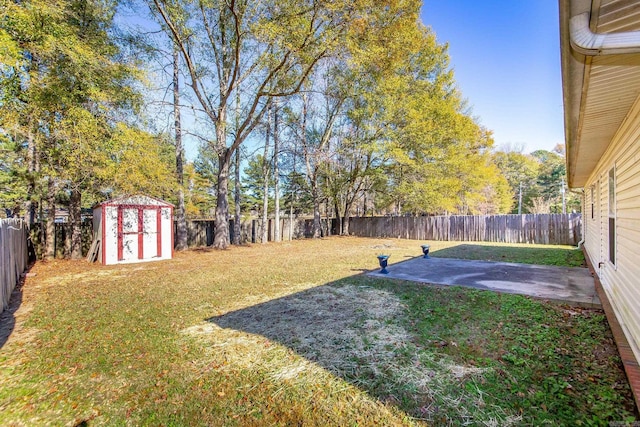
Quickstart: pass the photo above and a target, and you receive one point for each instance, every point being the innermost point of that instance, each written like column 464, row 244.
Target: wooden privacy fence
column 14, row 256
column 560, row 229
column 550, row 229
column 199, row 233
column 62, row 238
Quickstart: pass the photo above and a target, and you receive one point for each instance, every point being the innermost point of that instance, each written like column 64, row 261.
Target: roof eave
column 573, row 74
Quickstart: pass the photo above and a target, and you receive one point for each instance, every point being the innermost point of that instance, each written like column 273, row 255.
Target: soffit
column 610, row 86
column 598, row 91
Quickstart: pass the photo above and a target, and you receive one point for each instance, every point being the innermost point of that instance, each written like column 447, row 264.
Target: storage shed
column 132, row 229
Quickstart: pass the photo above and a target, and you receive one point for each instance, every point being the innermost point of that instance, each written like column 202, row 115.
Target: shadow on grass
column 358, row 330
column 350, row 328
column 8, row 318
column 558, row 256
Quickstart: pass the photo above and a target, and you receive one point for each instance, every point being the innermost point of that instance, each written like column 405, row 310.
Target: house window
column 593, row 202
column 612, row 215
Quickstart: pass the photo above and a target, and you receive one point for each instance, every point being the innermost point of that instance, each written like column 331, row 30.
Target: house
column 132, row 229
column 600, row 46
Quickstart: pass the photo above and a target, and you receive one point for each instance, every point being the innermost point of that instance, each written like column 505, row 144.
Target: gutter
column 588, row 43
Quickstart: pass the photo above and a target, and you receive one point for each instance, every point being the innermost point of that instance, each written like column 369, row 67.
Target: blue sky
column 506, row 60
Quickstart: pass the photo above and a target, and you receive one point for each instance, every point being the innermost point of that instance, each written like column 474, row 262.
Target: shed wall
column 621, row 281
column 110, row 244
column 97, row 217
column 167, row 233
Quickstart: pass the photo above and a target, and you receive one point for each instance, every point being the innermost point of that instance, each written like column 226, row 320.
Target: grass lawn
column 293, row 334
column 565, row 256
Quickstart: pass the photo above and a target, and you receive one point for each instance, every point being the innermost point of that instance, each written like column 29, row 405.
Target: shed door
column 151, row 233
column 139, row 235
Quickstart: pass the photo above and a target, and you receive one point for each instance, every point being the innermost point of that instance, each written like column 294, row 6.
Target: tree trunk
column 221, row 234
column 345, row 225
column 365, row 199
column 66, row 236
column 29, row 206
column 349, row 202
column 293, row 199
column 265, row 187
column 317, row 222
column 336, row 210
column 291, row 222
column 312, row 174
column 75, row 220
column 276, row 178
column 237, row 229
column 50, row 234
column 328, row 215
column 181, row 220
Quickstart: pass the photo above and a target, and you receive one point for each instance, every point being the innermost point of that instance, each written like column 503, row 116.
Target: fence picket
column 13, row 247
column 555, row 229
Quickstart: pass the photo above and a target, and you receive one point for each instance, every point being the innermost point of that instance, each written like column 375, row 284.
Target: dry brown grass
column 133, row 342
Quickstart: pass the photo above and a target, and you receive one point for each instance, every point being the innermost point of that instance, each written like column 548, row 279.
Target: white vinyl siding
column 603, row 201
column 592, row 226
column 622, row 280
column 611, row 186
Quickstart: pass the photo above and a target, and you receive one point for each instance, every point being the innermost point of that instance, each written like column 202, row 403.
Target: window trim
column 593, row 201
column 611, row 216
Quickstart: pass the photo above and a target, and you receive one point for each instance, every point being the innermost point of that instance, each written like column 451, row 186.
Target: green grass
column 292, row 334
column 566, row 256
column 548, row 364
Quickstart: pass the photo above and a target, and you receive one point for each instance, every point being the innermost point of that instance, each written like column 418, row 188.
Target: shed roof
column 133, row 200
column 598, row 91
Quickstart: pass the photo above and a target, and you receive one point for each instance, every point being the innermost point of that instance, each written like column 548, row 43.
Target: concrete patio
column 567, row 285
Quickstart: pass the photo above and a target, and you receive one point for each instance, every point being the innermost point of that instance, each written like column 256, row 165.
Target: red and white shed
column 133, row 229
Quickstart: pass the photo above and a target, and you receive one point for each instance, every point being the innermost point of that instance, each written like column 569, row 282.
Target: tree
column 181, row 221
column 262, row 50
column 199, row 193
column 313, row 129
column 552, row 181
column 483, row 188
column 142, row 163
column 433, row 147
column 276, row 174
column 201, row 184
column 257, row 183
column 13, row 186
column 520, row 171
column 296, row 194
column 357, row 150
column 66, row 95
